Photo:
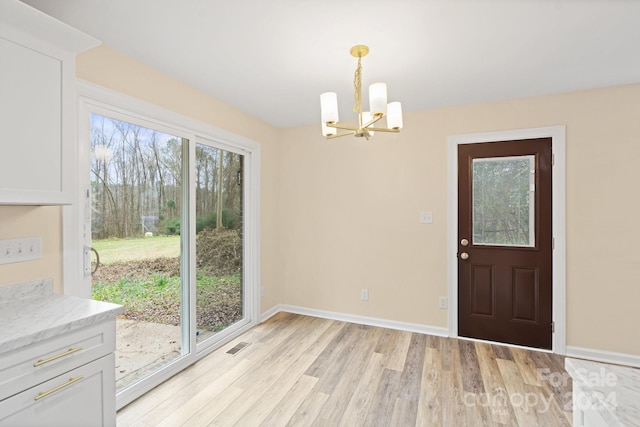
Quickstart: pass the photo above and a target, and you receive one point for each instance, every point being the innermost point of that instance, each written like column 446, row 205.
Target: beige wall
column 342, row 215
column 33, row 221
column 349, row 213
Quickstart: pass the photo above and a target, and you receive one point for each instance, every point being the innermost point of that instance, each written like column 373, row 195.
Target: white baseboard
column 361, row 320
column 603, row 356
column 270, row 313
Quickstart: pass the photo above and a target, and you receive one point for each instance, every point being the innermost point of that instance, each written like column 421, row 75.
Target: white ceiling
column 273, row 58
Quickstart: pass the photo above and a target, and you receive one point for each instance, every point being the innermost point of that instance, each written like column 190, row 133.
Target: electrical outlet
column 364, row 294
column 442, row 302
column 19, row 250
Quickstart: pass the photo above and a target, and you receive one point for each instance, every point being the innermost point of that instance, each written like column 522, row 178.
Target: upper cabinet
column 37, row 106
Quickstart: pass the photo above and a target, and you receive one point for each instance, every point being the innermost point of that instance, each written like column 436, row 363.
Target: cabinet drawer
column 32, row 365
column 83, row 397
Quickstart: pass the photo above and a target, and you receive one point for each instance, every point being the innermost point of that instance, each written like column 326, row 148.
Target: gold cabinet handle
column 44, row 394
column 57, row 356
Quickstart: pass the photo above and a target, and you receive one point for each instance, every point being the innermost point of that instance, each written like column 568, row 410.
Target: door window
column 503, row 200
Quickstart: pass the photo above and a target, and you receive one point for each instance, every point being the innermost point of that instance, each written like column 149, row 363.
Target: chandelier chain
column 357, row 86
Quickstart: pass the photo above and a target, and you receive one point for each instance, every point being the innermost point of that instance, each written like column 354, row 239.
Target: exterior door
column 505, row 242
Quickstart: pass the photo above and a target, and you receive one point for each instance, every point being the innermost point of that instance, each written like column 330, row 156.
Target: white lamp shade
column 378, row 98
column 394, row 115
column 328, row 131
column 329, row 107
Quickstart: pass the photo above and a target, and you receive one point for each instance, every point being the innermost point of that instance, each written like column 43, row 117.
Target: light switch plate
column 19, row 250
column 426, row 217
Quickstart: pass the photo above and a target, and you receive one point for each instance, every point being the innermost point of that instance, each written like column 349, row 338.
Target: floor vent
column 238, row 347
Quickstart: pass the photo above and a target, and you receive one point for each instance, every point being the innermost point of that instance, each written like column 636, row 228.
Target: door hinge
column 553, row 159
column 553, row 327
column 553, row 243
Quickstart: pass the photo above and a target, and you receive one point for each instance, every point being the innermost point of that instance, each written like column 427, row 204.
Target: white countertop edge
column 26, row 321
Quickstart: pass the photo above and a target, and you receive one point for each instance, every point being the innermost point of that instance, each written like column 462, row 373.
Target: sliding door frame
column 99, row 100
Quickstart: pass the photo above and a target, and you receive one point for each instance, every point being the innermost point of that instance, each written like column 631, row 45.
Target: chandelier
column 378, row 107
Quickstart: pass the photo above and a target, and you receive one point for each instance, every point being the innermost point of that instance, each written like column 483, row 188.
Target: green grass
column 157, row 299
column 113, row 250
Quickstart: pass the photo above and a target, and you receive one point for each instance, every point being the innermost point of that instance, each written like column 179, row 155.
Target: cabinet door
column 30, row 123
column 37, row 105
column 83, row 397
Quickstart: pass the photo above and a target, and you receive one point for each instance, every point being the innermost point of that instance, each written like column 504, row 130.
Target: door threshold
column 522, row 347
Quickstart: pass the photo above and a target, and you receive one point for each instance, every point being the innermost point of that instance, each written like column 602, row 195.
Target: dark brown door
column 505, row 242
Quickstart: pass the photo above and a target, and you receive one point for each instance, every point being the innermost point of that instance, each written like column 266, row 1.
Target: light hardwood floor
column 305, row 371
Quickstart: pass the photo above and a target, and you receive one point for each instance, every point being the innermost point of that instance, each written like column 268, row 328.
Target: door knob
column 464, row 242
column 464, row 255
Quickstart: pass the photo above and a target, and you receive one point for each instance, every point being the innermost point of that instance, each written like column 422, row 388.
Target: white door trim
column 558, row 136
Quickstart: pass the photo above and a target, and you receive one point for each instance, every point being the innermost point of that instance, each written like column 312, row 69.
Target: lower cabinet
column 82, row 397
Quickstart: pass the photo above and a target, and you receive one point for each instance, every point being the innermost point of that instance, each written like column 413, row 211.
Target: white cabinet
column 37, row 105
column 73, row 399
column 68, row 380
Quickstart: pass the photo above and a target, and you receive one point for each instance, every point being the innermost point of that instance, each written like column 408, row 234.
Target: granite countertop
column 612, row 390
column 31, row 312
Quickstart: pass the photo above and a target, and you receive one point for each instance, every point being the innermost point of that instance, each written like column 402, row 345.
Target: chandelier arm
column 337, row 126
column 340, row 134
column 394, row 130
column 372, row 121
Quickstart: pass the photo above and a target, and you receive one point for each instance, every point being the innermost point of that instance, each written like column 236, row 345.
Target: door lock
column 464, row 242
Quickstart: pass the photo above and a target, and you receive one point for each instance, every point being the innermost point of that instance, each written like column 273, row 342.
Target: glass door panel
column 503, row 201
column 219, row 240
column 136, row 215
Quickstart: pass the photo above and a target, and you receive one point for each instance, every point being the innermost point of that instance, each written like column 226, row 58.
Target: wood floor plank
column 177, row 390
column 430, row 405
column 334, row 350
column 333, row 328
column 201, row 398
column 209, row 412
column 471, row 377
column 397, row 353
column 289, row 404
column 496, row 393
column 453, row 409
column 306, row 371
column 384, row 399
column 262, row 387
column 404, row 413
column 330, row 372
column 360, row 403
column 406, row 407
column 526, row 366
column 308, row 411
column 276, row 392
column 282, row 351
column 502, row 352
column 344, row 381
column 555, row 379
column 517, row 390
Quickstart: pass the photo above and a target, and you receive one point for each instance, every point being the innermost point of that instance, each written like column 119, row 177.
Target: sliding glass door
column 165, row 230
